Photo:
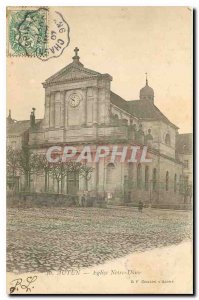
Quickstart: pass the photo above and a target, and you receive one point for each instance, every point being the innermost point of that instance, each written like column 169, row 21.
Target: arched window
column 167, row 181
column 139, row 176
column 124, row 122
column 175, row 183
column 167, row 139
column 154, row 179
column 110, row 173
column 146, row 178
column 115, row 119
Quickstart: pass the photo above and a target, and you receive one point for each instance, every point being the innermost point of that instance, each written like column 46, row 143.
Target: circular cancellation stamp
column 36, row 32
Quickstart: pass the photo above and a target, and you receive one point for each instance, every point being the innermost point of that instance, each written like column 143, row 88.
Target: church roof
column 142, row 109
column 19, row 127
column 119, row 101
column 146, row 110
column 184, row 143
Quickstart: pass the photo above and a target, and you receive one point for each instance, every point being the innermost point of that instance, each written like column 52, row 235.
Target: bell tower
column 147, row 93
column 76, row 98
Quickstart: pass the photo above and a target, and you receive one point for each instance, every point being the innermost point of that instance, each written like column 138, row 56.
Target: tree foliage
column 23, row 161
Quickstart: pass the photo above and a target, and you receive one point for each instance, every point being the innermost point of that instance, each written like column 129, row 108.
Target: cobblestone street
column 44, row 239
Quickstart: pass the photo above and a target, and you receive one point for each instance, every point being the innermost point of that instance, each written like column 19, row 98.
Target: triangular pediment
column 72, row 72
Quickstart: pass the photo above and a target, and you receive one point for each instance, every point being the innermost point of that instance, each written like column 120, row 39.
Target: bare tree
column 85, row 172
column 29, row 163
column 60, row 170
column 12, row 164
column 25, row 162
column 45, row 166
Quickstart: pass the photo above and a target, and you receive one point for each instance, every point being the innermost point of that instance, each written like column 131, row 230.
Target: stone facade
column 81, row 109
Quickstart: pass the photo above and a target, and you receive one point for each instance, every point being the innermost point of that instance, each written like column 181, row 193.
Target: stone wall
column 27, row 199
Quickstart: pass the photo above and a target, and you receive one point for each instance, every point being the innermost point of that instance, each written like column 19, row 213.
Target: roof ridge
column 119, row 96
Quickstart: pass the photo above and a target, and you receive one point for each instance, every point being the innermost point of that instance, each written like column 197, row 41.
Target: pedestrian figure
column 140, row 206
column 83, row 200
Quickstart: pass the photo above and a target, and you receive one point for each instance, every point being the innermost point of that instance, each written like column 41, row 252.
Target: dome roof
column 147, row 92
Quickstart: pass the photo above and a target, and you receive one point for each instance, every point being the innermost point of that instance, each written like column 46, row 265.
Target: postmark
column 42, row 33
column 58, row 35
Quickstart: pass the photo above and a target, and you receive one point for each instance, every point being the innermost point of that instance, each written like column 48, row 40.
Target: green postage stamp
column 28, row 32
column 36, row 32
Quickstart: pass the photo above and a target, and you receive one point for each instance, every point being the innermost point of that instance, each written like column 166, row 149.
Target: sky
column 125, row 42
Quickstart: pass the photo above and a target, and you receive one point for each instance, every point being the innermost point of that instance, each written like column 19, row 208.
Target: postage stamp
column 28, row 32
column 32, row 33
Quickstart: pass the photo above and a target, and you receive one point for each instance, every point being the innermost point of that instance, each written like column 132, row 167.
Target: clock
column 74, row 100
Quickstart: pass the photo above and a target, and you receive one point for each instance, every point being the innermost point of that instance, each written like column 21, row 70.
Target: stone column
column 84, row 108
column 101, row 105
column 107, row 107
column 47, row 110
column 104, row 103
column 57, row 110
column 66, row 109
column 95, row 105
column 62, row 101
column 52, row 109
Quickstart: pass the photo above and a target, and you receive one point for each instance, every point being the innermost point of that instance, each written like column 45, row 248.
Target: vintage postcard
column 99, row 150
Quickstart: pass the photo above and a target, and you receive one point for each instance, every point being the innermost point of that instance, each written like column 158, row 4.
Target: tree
column 85, row 172
column 60, row 170
column 44, row 165
column 29, row 163
column 12, row 164
column 23, row 161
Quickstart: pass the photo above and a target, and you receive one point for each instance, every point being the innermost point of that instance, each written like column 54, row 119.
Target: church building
column 81, row 109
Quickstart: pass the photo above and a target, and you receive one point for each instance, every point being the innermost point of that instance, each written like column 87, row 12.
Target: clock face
column 74, row 100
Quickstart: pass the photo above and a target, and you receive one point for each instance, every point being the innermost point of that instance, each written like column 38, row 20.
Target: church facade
column 81, row 110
